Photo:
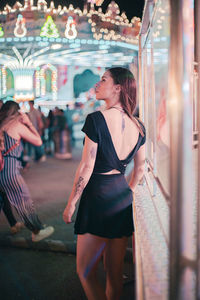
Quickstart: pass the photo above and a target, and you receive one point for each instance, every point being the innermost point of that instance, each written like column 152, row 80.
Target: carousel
column 56, row 55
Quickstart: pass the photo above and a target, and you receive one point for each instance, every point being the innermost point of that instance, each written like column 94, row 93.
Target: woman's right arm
column 28, row 132
column 82, row 177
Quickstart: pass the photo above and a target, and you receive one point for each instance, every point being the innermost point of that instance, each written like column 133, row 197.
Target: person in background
column 15, row 126
column 36, row 119
column 50, row 126
column 44, row 126
column 15, row 226
column 113, row 138
column 61, row 137
column 69, row 117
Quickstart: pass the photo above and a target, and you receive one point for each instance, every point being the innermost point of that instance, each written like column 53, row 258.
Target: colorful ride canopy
column 31, row 36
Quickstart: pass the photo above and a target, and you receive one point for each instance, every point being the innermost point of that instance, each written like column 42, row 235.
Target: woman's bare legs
column 89, row 253
column 113, row 262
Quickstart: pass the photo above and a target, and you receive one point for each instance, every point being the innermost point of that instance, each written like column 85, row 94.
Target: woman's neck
column 110, row 104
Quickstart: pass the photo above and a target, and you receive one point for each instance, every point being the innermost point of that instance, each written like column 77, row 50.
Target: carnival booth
column 167, row 205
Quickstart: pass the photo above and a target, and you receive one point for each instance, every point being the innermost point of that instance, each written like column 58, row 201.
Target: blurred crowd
column 56, row 130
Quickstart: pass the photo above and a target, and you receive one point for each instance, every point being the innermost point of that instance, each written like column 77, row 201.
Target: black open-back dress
column 105, row 207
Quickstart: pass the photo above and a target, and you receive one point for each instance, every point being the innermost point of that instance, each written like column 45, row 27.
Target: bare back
column 123, row 131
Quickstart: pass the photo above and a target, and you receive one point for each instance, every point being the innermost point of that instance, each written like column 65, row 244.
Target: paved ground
column 46, row 270
column 45, row 275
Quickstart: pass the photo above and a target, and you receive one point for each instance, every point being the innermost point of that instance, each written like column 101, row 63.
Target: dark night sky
column 131, row 7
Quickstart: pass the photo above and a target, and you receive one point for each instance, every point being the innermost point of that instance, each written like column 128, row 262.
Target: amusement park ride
column 43, row 48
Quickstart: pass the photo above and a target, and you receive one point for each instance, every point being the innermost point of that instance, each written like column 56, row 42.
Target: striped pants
column 13, row 186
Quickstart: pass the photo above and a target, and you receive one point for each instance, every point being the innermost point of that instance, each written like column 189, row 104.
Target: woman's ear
column 118, row 88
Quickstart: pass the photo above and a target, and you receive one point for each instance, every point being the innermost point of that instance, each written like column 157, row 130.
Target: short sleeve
column 89, row 128
column 143, row 140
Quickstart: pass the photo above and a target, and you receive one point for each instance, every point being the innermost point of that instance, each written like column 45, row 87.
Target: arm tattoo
column 93, row 152
column 79, row 186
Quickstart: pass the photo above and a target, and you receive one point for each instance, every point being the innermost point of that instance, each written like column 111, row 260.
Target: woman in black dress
column 104, row 222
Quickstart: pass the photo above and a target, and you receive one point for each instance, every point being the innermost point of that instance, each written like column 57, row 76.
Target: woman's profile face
column 105, row 88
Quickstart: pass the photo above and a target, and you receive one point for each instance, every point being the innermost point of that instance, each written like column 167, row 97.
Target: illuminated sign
column 1, row 31
column 49, row 29
column 70, row 31
column 20, row 28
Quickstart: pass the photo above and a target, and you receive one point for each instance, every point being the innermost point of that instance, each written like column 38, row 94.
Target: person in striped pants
column 15, row 126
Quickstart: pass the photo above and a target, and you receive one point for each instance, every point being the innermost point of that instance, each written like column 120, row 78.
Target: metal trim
column 160, row 186
column 180, row 151
column 197, row 68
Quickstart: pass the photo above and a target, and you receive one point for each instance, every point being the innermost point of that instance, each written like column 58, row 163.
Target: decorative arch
column 37, row 82
column 1, row 86
column 54, row 75
column 3, row 81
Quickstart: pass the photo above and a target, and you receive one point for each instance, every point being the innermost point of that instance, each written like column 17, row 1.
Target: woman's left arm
column 83, row 173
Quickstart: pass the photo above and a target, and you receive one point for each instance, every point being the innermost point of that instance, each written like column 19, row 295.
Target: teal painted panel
column 84, row 81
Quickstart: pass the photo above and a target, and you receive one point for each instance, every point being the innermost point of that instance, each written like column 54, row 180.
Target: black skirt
column 105, row 207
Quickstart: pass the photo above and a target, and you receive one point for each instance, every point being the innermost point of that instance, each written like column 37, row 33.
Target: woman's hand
column 68, row 213
column 24, row 119
column 132, row 189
